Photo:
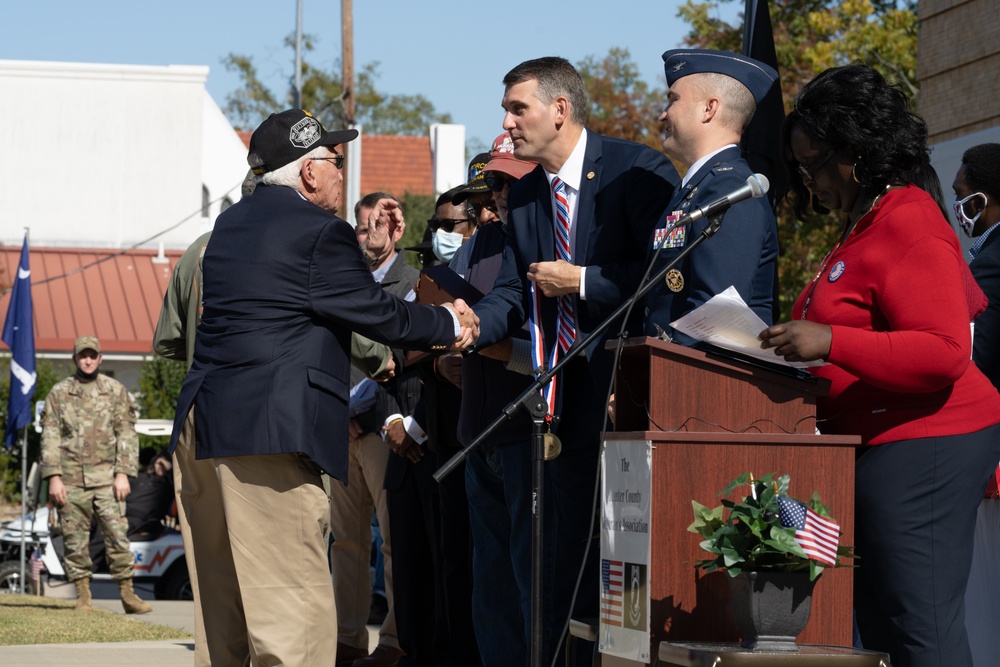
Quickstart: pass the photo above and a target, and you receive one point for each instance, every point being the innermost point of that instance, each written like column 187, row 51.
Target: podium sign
column 626, row 525
column 696, row 421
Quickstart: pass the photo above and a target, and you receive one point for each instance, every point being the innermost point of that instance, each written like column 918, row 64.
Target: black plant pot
column 771, row 608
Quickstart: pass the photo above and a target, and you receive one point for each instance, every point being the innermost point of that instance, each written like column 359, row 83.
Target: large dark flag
column 19, row 335
column 762, row 139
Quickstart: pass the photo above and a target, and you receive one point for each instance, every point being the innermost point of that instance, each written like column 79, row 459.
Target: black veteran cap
column 476, row 182
column 753, row 74
column 285, row 137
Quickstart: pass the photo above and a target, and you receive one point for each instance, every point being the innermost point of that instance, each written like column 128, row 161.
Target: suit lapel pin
column 590, row 175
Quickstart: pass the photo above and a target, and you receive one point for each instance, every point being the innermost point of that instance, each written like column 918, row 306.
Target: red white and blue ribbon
column 538, row 360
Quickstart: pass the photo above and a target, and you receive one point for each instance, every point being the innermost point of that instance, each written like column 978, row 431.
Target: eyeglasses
column 474, row 210
column 447, row 224
column 806, row 171
column 337, row 160
column 497, row 183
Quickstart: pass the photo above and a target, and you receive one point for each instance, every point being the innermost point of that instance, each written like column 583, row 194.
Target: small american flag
column 611, row 592
column 818, row 536
column 36, row 564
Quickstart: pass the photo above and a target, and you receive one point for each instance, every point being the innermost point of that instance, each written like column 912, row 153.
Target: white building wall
column 448, row 151
column 110, row 155
column 223, row 159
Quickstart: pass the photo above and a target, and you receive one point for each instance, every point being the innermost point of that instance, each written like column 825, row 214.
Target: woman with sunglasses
column 889, row 310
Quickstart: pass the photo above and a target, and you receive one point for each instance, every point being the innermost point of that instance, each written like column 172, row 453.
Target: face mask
column 965, row 222
column 445, row 244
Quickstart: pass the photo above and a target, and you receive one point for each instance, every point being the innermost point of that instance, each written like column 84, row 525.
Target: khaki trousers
column 255, row 533
column 350, row 522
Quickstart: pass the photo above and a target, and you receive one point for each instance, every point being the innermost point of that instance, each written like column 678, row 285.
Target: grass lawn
column 26, row 619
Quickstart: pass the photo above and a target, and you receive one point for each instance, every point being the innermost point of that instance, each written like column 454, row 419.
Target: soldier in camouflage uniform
column 89, row 449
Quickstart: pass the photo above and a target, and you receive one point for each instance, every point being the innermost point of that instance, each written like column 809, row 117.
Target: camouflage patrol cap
column 86, row 343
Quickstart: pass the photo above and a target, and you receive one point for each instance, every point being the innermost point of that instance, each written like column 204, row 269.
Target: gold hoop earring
column 854, row 174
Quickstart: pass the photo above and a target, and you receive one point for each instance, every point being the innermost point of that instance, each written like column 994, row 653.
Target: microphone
column 756, row 186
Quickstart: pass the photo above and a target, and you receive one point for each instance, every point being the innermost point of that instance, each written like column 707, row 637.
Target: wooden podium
column 710, row 419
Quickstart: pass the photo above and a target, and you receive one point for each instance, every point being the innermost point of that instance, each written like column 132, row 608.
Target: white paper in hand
column 726, row 321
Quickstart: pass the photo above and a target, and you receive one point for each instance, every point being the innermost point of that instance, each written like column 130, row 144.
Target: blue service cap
column 753, row 74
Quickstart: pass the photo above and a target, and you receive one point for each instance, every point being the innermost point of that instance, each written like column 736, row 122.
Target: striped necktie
column 566, row 319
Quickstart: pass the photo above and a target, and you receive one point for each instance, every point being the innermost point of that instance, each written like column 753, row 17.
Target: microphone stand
column 531, row 400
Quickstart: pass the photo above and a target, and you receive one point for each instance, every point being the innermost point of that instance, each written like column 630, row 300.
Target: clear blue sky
column 453, row 53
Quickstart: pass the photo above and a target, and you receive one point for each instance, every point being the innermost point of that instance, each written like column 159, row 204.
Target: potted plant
column 774, row 548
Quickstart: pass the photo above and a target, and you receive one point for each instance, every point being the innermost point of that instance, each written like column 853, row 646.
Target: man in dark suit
column 285, row 284
column 977, row 210
column 712, row 98
column 609, row 193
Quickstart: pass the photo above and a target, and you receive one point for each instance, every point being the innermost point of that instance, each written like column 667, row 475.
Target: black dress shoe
column 347, row 654
column 382, row 656
column 378, row 610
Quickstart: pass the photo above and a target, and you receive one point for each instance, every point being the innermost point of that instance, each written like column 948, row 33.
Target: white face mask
column 446, row 244
column 965, row 222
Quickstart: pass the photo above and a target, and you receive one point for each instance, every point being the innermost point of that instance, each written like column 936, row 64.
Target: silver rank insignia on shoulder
column 720, row 169
column 674, row 280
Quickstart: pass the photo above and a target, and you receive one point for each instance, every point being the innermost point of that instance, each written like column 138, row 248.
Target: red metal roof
column 397, row 165
column 393, row 164
column 118, row 300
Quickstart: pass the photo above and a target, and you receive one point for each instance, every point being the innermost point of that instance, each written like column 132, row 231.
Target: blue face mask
column 445, row 244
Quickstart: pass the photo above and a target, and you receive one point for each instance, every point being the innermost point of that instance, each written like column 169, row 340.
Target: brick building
column 958, row 60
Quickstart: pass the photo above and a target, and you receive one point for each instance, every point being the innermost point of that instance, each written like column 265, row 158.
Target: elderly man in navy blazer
column 597, row 198
column 285, row 285
column 711, row 99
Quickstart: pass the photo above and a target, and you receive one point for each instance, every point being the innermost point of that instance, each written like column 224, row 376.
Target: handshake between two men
column 553, row 279
column 385, row 227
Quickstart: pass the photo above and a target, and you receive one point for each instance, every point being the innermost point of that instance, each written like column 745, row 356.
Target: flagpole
column 18, row 335
column 24, row 504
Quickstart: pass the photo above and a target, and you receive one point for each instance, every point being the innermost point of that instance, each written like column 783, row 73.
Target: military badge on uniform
column 674, row 280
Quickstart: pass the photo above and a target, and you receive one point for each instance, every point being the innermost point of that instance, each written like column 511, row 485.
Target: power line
column 127, row 250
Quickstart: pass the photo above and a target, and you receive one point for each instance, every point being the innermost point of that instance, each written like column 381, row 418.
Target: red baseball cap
column 502, row 158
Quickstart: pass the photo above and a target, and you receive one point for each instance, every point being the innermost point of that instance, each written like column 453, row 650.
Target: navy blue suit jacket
column 986, row 344
column 743, row 253
column 624, row 189
column 285, row 285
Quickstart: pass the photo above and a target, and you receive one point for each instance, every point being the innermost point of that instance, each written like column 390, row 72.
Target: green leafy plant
column 751, row 537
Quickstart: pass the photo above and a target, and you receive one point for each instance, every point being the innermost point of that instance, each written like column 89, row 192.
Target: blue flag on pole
column 19, row 335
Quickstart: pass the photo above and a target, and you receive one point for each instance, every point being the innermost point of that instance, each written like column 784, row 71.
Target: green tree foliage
column 417, row 209
column 621, row 104
column 10, row 462
column 160, row 383
column 322, row 92
column 811, row 36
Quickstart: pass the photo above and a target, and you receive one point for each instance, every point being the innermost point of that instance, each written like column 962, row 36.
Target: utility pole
column 298, row 54
column 347, row 97
column 347, row 58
